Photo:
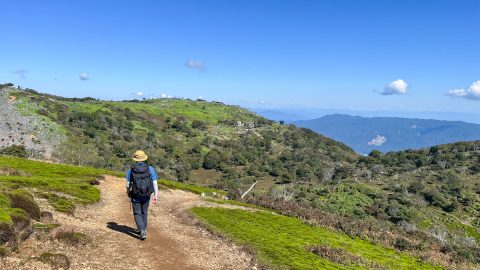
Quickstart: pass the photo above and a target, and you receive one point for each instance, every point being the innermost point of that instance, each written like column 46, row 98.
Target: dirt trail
column 174, row 241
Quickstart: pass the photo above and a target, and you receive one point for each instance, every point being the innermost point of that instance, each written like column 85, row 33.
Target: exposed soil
column 175, row 241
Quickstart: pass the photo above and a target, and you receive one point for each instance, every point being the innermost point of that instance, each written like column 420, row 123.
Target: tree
column 78, row 153
column 375, row 154
column 212, row 159
column 182, row 171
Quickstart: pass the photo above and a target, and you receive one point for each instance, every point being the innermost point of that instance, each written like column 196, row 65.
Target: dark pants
column 140, row 213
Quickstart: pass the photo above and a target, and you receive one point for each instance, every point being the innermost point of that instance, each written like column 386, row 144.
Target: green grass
column 5, row 201
column 195, row 110
column 191, row 188
column 347, row 203
column 236, row 203
column 282, row 242
column 62, row 185
column 45, row 227
column 5, row 217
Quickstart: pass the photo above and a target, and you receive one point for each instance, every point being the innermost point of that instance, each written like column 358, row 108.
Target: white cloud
column 165, row 96
column 378, row 141
column 84, row 76
column 21, row 72
column 140, row 94
column 457, row 93
column 473, row 92
column 397, row 87
column 195, row 64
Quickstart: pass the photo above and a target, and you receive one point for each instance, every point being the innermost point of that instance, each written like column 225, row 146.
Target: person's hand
column 155, row 199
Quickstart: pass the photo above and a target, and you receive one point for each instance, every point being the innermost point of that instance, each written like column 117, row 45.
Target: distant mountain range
column 295, row 114
column 390, row 133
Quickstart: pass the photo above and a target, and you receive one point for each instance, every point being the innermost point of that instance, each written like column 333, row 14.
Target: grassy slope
column 191, row 188
column 283, row 242
column 62, row 185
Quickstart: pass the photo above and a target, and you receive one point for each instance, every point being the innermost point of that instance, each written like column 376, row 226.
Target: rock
column 95, row 182
column 46, row 217
column 25, row 127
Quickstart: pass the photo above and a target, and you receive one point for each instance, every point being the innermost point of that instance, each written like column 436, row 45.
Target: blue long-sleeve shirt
column 153, row 177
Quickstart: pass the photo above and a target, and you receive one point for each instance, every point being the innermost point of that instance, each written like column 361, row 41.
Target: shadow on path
column 123, row 229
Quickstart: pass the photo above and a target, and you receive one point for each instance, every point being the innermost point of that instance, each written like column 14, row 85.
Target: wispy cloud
column 378, row 141
column 195, row 64
column 140, row 94
column 84, row 76
column 397, row 87
column 472, row 93
column 21, row 72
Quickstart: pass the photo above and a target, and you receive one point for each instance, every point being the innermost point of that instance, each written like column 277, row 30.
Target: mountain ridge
column 365, row 134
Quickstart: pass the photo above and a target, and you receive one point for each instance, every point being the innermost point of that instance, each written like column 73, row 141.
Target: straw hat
column 139, row 156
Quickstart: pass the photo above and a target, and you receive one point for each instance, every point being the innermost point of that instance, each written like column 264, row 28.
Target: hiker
column 141, row 183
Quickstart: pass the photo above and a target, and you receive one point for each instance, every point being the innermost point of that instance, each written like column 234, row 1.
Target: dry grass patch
column 56, row 260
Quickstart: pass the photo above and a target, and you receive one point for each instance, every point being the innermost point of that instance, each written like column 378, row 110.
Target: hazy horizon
column 307, row 113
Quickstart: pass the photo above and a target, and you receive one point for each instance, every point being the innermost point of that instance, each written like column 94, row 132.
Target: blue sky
column 321, row 54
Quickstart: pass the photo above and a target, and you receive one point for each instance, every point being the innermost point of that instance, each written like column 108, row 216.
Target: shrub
column 199, row 124
column 24, row 200
column 403, row 244
column 398, row 212
column 14, row 150
column 20, row 218
column 73, row 238
column 416, row 187
column 14, row 226
column 6, row 230
column 3, row 251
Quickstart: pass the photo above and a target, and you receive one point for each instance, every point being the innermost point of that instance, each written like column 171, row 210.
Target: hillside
column 385, row 134
column 421, row 202
column 189, row 140
column 94, row 236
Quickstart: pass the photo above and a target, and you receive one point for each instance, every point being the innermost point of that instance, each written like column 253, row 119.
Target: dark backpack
column 140, row 181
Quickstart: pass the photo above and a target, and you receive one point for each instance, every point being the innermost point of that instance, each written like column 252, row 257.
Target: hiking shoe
column 143, row 235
